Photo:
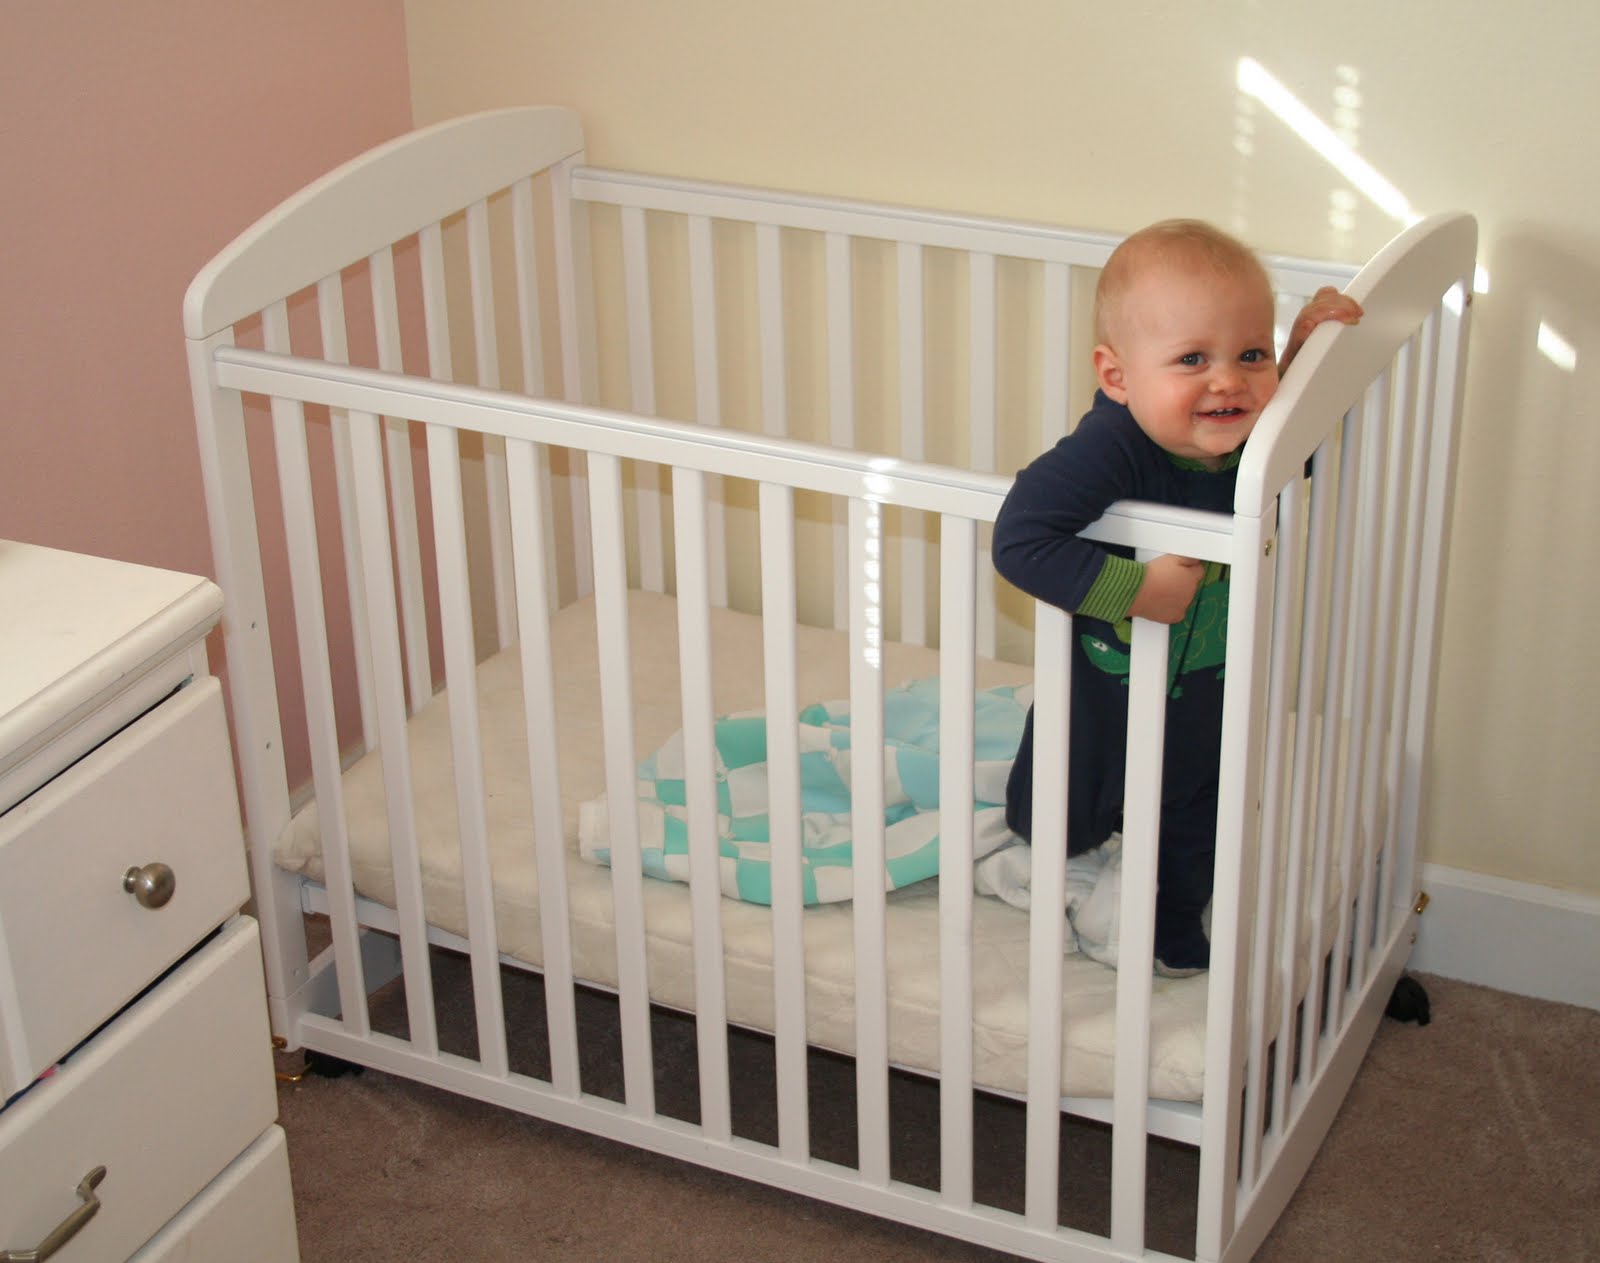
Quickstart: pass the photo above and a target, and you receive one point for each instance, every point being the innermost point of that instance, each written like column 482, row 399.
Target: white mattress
column 1000, row 931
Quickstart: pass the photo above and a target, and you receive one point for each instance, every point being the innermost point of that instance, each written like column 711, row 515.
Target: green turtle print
column 1197, row 643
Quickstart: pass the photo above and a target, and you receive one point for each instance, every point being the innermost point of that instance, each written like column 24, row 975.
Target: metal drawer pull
column 152, row 885
column 67, row 1228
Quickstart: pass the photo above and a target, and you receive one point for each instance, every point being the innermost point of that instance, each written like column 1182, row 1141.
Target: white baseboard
column 1511, row 935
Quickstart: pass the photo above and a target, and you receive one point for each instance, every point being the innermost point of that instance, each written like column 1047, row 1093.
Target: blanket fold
column 1002, row 860
column 910, row 795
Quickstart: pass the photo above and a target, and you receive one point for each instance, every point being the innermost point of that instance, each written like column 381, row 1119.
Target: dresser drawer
column 75, row 944
column 164, row 1098
column 245, row 1215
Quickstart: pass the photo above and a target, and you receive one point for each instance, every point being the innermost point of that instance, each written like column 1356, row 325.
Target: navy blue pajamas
column 1037, row 548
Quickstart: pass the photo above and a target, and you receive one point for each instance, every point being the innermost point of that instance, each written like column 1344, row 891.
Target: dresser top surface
column 74, row 628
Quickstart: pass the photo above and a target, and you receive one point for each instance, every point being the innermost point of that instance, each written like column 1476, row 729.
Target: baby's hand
column 1326, row 304
column 1168, row 589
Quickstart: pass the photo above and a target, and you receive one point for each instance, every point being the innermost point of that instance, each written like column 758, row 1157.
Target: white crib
column 847, row 379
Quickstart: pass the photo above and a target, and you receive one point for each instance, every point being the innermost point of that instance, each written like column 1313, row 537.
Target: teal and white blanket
column 910, row 795
column 1003, row 861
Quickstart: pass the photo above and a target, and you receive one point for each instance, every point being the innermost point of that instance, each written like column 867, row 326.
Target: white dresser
column 135, row 1061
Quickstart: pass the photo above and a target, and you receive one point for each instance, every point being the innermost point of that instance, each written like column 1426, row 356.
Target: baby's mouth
column 1223, row 414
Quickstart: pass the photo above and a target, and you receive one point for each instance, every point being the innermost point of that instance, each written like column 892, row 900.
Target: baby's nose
column 1225, row 377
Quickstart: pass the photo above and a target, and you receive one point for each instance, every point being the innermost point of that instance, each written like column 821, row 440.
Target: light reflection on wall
column 1347, row 123
column 1556, row 348
column 1256, row 83
column 1254, row 80
column 1244, row 144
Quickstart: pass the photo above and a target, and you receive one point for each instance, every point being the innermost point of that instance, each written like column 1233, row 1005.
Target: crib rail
column 471, row 505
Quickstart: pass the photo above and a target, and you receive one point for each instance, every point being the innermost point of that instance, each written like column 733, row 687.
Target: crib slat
column 773, row 331
column 867, row 848
column 1360, row 687
column 575, row 308
column 1141, row 831
column 1304, row 857
column 642, row 376
column 1391, row 545
column 1331, row 747
column 984, row 338
column 335, row 347
column 1316, row 745
column 981, row 323
column 616, row 708
column 957, row 724
column 1056, row 331
column 1251, row 596
column 1418, row 419
column 435, row 303
column 466, row 747
column 485, row 339
column 316, row 676
column 776, row 508
column 529, row 515
column 841, row 398
column 393, row 738
column 1273, row 815
column 1052, row 680
column 708, row 388
column 402, row 490
column 694, row 655
column 531, row 346
column 530, row 320
column 1437, row 473
column 913, row 422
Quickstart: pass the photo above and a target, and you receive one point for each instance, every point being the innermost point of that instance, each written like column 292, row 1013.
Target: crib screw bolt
column 1422, row 902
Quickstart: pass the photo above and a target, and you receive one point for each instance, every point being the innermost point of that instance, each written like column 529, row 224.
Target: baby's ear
column 1108, row 371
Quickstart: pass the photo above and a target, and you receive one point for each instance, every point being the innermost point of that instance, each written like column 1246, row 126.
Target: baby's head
column 1184, row 337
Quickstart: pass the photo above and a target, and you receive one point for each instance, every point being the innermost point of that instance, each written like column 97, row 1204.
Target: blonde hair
column 1191, row 242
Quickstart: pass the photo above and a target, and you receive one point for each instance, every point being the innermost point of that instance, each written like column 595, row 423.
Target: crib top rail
column 800, row 465
column 375, row 199
column 1009, row 238
column 1424, row 272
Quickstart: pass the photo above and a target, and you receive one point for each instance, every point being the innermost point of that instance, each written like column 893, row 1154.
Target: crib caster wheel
column 1408, row 1002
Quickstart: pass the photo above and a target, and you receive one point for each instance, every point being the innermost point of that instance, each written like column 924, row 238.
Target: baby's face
column 1192, row 358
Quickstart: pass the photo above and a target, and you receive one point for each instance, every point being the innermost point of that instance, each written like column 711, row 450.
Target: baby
column 1184, row 361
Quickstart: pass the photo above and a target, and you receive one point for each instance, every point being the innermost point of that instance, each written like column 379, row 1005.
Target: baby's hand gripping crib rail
column 777, row 492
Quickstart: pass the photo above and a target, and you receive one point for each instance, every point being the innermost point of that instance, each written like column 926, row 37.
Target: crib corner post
column 1252, row 589
column 251, row 682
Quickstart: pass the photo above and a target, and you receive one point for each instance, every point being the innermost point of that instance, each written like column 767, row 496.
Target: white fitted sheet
column 1000, row 931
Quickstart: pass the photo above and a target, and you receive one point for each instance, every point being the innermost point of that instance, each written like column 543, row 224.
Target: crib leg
column 1408, row 1002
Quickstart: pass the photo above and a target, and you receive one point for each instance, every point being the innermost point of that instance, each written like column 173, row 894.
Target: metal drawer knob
column 151, row 884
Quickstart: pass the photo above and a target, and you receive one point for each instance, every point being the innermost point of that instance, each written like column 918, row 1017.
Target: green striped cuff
column 1112, row 592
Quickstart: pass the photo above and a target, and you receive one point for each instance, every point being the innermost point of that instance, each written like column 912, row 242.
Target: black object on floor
column 1408, row 1002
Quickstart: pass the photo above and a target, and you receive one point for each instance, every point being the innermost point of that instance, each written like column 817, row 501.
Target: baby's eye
column 1191, row 360
column 1253, row 356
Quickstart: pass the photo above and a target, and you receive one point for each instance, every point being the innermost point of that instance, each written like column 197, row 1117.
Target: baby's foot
column 1182, row 948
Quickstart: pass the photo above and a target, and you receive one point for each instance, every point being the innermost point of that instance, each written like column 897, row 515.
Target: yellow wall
column 1109, row 116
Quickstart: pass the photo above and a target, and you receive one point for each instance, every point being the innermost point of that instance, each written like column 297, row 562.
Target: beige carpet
column 1476, row 1137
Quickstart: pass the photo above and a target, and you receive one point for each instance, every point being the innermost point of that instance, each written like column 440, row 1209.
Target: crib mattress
column 1000, row 931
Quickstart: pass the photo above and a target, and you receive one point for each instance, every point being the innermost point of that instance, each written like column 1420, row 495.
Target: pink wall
column 135, row 141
